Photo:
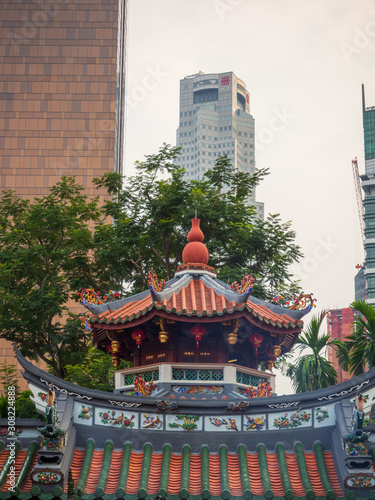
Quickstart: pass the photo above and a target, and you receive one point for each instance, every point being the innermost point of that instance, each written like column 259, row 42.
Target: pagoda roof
column 194, row 295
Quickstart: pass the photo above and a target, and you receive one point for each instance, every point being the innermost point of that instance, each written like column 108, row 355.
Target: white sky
column 304, row 60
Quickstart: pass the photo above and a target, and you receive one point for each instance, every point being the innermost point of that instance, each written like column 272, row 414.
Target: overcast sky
column 303, row 63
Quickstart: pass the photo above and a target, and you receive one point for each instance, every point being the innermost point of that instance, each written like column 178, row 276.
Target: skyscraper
column 215, row 120
column 61, row 91
column 368, row 186
column 339, row 326
column 62, row 86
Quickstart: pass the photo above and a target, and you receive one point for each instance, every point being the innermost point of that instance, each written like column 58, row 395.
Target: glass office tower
column 368, row 186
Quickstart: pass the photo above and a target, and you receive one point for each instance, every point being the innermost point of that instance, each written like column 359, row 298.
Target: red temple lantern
column 256, row 339
column 138, row 335
column 198, row 332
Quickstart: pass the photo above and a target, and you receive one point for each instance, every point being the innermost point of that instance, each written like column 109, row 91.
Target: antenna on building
column 363, row 98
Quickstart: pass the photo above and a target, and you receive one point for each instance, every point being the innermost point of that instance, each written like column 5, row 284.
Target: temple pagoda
column 195, row 318
column 193, row 418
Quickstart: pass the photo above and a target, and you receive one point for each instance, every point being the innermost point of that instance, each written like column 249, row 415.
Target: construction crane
column 358, row 192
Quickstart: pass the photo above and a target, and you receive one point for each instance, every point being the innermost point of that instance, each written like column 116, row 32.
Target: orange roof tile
column 195, row 299
column 235, row 472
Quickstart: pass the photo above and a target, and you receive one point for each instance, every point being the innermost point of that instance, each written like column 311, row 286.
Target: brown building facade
column 62, row 84
column 339, row 326
column 61, row 91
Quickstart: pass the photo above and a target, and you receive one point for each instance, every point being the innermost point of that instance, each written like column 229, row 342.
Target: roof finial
column 196, row 211
column 195, row 251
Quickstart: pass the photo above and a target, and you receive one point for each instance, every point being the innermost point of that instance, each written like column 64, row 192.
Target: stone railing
column 193, row 373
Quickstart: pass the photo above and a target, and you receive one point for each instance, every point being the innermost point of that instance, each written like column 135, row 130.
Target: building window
column 205, row 95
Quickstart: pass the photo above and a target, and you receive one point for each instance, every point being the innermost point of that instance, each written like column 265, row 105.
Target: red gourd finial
column 195, row 251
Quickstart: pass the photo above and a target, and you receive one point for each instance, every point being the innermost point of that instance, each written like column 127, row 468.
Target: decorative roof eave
column 242, row 312
column 345, row 390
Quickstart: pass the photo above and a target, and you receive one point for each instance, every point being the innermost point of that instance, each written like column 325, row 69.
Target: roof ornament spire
column 195, row 252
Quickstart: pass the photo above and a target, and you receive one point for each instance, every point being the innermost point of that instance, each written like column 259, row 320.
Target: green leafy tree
column 152, row 212
column 95, row 371
column 45, row 249
column 312, row 371
column 357, row 352
column 8, row 378
column 25, row 408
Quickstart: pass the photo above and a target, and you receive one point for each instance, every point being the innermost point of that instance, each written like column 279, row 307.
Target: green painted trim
column 300, row 454
column 262, row 458
column 244, row 472
column 319, row 455
column 163, row 487
column 223, row 454
column 86, row 464
column 185, row 472
column 106, row 464
column 36, row 490
column 284, row 474
column 26, row 466
column 146, row 463
column 1, row 446
column 46, row 496
column 57, row 491
column 205, row 470
column 127, row 496
column 20, row 496
column 124, row 471
column 8, row 462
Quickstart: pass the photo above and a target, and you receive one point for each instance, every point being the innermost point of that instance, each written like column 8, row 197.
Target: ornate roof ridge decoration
column 246, row 285
column 168, row 291
column 154, row 283
column 196, row 268
column 304, row 302
column 89, row 297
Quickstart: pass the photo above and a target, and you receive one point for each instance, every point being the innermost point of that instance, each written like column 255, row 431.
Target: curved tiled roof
column 195, row 296
column 113, row 473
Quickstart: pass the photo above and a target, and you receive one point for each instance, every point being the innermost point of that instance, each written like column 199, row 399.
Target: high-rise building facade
column 215, row 120
column 360, row 284
column 368, row 186
column 62, row 93
column 62, row 71
column 339, row 326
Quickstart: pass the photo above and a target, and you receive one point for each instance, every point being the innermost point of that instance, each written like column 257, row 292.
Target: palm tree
column 312, row 371
column 360, row 344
